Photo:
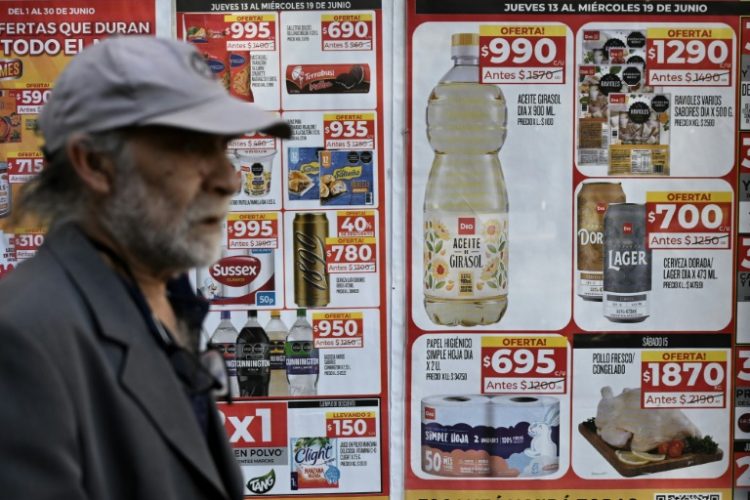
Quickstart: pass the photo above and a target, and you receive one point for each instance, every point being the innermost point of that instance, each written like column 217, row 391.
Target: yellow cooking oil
column 465, row 277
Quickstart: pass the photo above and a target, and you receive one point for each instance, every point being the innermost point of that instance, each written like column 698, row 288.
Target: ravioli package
column 599, row 46
column 595, row 84
column 639, row 134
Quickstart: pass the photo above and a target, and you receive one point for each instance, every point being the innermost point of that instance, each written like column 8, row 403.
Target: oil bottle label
column 465, row 256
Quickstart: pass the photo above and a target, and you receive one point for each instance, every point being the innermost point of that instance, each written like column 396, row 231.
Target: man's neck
column 154, row 290
column 152, row 283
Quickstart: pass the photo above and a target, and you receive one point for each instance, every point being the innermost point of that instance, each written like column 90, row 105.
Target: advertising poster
column 741, row 427
column 576, row 235
column 575, row 227
column 37, row 40
column 298, row 299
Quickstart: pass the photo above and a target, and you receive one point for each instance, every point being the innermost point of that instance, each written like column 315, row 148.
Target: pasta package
column 194, row 27
column 239, row 73
column 200, row 28
column 217, row 57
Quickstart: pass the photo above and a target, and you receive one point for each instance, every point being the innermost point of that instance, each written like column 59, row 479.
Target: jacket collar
column 146, row 373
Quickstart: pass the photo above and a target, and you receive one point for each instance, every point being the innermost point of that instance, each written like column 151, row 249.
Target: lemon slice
column 630, row 458
column 651, row 457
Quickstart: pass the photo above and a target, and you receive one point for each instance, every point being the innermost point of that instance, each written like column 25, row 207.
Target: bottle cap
column 252, row 313
column 465, row 44
column 275, row 313
column 226, row 314
column 301, row 312
column 464, row 39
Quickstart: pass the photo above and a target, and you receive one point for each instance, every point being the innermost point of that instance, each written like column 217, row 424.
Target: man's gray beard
column 145, row 225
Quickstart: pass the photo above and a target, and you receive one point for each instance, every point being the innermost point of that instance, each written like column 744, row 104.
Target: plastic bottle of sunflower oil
column 466, row 202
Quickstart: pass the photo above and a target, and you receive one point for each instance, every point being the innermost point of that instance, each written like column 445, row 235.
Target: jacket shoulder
column 38, row 293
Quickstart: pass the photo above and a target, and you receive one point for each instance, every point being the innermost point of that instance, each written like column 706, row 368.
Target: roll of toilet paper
column 525, row 440
column 490, row 436
column 453, row 428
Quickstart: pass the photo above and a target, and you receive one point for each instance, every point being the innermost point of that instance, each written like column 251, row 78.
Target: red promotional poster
column 575, row 206
column 504, row 255
column 37, row 40
column 300, row 294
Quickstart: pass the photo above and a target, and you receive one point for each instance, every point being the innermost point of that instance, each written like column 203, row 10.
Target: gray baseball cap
column 143, row 80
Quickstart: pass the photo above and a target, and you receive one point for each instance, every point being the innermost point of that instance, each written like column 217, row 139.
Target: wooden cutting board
column 627, row 470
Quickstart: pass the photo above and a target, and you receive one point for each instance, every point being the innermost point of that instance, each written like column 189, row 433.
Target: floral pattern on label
column 465, row 256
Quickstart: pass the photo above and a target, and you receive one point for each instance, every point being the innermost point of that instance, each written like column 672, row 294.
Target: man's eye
column 193, row 143
column 202, row 147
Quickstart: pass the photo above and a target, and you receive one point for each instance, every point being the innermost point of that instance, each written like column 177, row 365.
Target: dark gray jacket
column 90, row 407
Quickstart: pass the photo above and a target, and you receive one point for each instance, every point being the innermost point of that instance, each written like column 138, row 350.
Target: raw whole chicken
column 618, row 419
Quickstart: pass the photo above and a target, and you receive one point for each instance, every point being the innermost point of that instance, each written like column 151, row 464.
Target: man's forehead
column 176, row 141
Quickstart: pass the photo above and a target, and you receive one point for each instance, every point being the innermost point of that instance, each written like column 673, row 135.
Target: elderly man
column 103, row 393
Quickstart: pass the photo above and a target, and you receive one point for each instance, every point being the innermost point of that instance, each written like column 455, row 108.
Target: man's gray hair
column 57, row 193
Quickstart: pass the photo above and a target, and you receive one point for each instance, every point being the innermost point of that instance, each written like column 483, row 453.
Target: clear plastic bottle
column 302, row 363
column 253, row 358
column 466, row 201
column 277, row 332
column 224, row 339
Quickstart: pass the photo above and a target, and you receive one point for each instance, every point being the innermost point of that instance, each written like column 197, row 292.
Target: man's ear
column 95, row 170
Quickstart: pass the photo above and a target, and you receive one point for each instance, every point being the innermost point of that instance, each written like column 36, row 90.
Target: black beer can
column 311, row 279
column 627, row 263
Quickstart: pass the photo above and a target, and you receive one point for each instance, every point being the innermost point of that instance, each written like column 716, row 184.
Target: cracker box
column 303, row 173
column 346, row 177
